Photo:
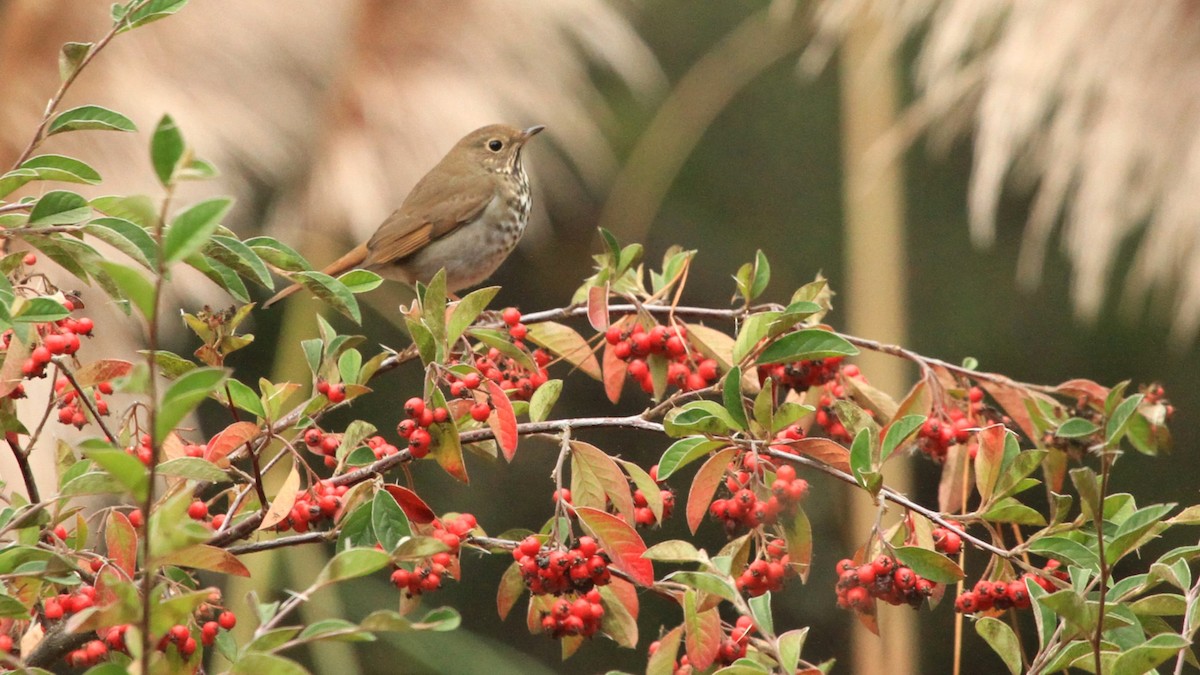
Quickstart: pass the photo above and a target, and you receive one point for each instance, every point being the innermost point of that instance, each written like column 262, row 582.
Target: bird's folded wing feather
column 450, row 204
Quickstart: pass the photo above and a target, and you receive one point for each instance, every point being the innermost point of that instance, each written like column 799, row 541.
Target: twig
column 31, row 488
column 281, row 542
column 87, row 402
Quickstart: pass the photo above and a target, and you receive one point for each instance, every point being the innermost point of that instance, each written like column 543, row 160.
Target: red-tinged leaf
column 625, row 593
column 446, row 449
column 538, row 605
column 1054, row 468
column 988, row 459
column 570, row 644
column 595, row 476
column 10, row 371
column 1012, row 400
column 503, row 421
column 916, row 401
column 567, row 343
column 512, row 587
column 205, row 557
column 414, row 507
column 620, row 541
column 702, row 632
column 868, row 620
column 1081, row 387
column 121, row 540
column 824, row 450
column 106, row 579
column 281, row 504
column 229, row 439
column 956, row 480
column 614, row 374
column 712, row 343
column 705, row 484
column 617, row 622
column 798, row 534
column 102, row 371
column 597, row 307
column 651, row 490
column 662, row 662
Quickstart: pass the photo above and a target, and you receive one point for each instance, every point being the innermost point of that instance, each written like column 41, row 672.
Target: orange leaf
column 703, row 633
column 825, row 450
column 102, row 371
column 282, row 504
column 620, row 541
column 705, row 484
column 121, row 540
column 567, row 343
column 229, row 439
column 414, row 507
column 512, row 587
column 614, row 374
column 205, row 557
column 954, row 472
column 597, row 307
column 618, row 623
column 596, row 476
column 446, row 449
column 503, row 421
column 988, row 459
column 1082, row 387
column 1012, row 400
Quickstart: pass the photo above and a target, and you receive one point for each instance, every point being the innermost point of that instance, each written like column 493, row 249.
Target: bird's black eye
column 495, row 144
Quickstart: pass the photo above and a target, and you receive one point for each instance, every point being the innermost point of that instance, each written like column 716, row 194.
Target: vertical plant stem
column 1105, row 470
column 148, row 572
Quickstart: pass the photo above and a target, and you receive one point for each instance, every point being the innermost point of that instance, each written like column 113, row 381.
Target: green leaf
column 674, row 550
column 684, row 452
column 245, row 398
column 232, row 252
column 731, row 395
column 62, row 168
column 544, row 399
column 193, row 468
column 355, row 562
column 760, row 609
column 753, row 329
column 138, row 209
column 1003, row 641
column 135, row 287
column 710, row 583
column 929, row 564
column 183, row 396
column 127, row 237
column 1118, row 422
column 259, row 663
column 1147, row 656
column 860, row 456
column 809, row 343
column 389, row 521
column 791, row 644
column 127, row 469
column 360, row 281
column 59, row 207
column 38, row 310
column 71, row 57
column 699, row 417
column 89, row 117
column 762, row 275
column 150, row 12
column 190, row 230
column 1076, row 427
column 1065, row 550
column 1009, row 510
column 467, row 310
column 331, row 291
column 897, row 433
column 278, row 254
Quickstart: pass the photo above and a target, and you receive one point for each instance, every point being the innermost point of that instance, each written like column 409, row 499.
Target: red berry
column 480, row 411
column 227, row 620
column 29, row 259
column 511, row 316
column 337, row 393
column 518, row 332
column 418, row 443
column 414, row 407
column 197, row 510
column 135, row 518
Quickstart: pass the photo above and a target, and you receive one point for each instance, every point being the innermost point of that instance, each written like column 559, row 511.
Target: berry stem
column 84, row 398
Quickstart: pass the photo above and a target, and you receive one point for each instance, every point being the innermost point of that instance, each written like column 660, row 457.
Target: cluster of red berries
column 802, row 375
column 580, row 616
column 885, row 579
column 733, row 647
column 327, row 445
column 65, row 604
column 1005, row 594
column 69, row 408
column 766, row 573
column 336, row 393
column 506, row 372
column 554, row 571
column 89, row 654
column 826, row 417
column 143, row 450
column 311, row 507
column 947, row 541
column 198, row 511
column 937, row 434
column 415, row 429
column 643, row 515
column 687, row 369
column 745, row 506
column 58, row 338
column 429, row 574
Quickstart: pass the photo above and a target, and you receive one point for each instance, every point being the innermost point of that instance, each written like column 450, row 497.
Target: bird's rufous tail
column 347, row 262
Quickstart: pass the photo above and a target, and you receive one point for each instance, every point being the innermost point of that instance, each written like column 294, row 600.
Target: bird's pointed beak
column 531, row 132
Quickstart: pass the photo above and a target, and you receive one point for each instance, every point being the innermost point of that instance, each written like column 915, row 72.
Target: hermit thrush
column 465, row 216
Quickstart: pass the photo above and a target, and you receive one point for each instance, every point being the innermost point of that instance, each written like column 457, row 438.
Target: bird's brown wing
column 434, row 209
